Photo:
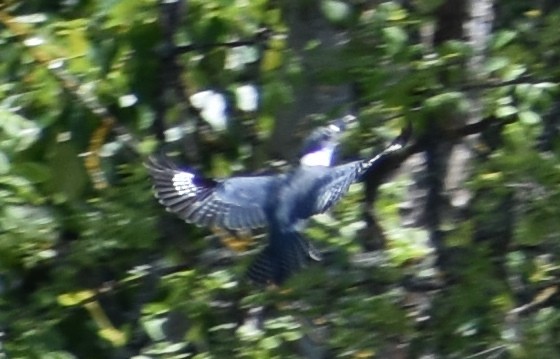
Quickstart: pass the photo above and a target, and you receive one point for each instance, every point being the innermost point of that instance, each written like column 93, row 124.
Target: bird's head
column 319, row 146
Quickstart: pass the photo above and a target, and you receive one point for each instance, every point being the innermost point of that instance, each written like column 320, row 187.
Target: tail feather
column 281, row 258
column 263, row 267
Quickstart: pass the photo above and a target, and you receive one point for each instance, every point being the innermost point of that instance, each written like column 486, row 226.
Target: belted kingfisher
column 280, row 202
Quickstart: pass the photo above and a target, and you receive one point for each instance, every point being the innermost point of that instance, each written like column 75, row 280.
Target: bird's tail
column 281, row 258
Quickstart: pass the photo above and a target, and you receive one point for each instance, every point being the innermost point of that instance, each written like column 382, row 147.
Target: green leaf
column 75, row 298
column 154, row 328
column 395, row 37
column 502, row 38
column 397, row 14
column 505, row 111
column 113, row 335
column 448, row 101
column 336, row 11
column 33, row 171
column 497, row 63
column 4, row 163
column 58, row 355
column 513, row 72
column 546, row 85
column 18, row 132
column 271, row 342
column 70, row 179
column 529, row 117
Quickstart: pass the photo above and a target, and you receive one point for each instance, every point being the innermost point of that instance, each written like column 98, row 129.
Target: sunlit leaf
column 4, row 163
column 506, row 111
column 116, row 337
column 154, row 328
column 396, row 37
column 75, row 298
column 335, row 10
column 502, row 38
column 20, row 133
column 529, row 117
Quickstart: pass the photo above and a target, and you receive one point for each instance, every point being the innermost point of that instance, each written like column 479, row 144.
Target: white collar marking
column 321, row 157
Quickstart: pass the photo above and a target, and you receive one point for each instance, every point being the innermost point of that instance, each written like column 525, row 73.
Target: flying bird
column 282, row 202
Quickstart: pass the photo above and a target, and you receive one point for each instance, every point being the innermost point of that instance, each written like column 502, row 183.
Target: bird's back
column 296, row 198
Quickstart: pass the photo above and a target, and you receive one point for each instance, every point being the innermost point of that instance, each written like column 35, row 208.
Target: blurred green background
column 456, row 255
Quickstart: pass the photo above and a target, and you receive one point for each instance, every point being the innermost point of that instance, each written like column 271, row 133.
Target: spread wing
column 336, row 182
column 233, row 203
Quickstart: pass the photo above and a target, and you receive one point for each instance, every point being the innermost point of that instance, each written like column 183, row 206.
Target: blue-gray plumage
column 279, row 202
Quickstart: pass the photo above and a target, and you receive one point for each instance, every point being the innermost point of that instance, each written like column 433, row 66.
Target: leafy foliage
column 91, row 267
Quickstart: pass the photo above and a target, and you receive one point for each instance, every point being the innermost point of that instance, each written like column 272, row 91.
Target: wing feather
column 233, row 203
column 336, row 183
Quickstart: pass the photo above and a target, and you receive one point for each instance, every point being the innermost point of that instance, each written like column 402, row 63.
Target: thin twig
column 499, row 349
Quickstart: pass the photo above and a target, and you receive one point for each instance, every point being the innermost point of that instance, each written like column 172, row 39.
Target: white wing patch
column 183, row 184
column 233, row 203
